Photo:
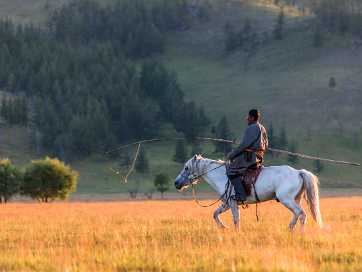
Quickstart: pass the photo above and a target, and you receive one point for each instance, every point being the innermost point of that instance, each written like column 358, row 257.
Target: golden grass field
column 175, row 236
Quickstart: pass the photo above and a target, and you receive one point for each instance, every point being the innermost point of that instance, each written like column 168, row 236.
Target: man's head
column 253, row 116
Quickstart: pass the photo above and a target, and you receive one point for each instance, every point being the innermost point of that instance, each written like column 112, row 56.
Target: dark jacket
column 251, row 149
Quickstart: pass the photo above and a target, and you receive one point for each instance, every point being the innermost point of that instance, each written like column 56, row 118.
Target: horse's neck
column 215, row 175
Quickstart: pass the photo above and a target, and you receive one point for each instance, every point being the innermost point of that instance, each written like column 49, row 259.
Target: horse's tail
column 311, row 184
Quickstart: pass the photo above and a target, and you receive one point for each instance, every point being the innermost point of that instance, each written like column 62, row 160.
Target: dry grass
column 174, row 236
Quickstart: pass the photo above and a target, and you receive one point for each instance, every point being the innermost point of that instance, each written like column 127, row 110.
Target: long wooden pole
column 276, row 150
column 304, row 156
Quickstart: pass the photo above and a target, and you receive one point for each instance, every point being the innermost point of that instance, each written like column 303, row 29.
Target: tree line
column 87, row 80
column 340, row 16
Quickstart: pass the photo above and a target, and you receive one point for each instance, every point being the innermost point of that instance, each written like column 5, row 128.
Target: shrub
column 161, row 183
column 10, row 180
column 49, row 179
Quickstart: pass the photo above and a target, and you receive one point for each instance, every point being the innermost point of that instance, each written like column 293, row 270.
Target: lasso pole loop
column 133, row 163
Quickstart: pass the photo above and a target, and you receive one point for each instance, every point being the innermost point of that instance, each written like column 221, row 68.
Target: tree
column 318, row 166
column 196, row 148
column 49, row 179
column 293, row 148
column 272, row 139
column 223, row 132
column 180, row 152
column 283, row 140
column 332, row 82
column 161, row 183
column 10, row 180
column 279, row 26
column 318, row 38
column 142, row 164
column 231, row 39
column 271, row 136
column 89, row 90
column 149, row 193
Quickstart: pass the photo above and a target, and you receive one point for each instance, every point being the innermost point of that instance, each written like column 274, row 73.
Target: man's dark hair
column 255, row 114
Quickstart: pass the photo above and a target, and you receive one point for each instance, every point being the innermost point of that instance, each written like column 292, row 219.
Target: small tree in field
column 10, row 180
column 49, row 179
column 161, row 183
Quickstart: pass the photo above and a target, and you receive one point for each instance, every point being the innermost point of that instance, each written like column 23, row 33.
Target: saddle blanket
column 249, row 179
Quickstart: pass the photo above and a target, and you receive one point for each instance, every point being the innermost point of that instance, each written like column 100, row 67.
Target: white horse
column 282, row 183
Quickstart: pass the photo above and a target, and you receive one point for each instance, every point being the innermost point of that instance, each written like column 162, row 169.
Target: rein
column 227, row 187
column 213, row 203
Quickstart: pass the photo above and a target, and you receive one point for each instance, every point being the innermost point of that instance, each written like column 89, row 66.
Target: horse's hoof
column 223, row 227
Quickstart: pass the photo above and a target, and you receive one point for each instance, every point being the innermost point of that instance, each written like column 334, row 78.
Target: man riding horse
column 248, row 155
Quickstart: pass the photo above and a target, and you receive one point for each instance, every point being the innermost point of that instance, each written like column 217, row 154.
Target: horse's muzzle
column 181, row 182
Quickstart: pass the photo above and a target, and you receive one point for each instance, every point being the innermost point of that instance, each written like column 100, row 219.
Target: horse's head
column 188, row 173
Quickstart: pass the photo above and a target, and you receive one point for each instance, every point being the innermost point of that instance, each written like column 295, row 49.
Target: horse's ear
column 198, row 156
column 195, row 157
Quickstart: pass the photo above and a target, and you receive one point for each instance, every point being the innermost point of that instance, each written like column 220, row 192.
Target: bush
column 10, row 180
column 161, row 183
column 49, row 179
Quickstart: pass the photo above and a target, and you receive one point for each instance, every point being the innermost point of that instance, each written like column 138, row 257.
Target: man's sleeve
column 266, row 139
column 249, row 137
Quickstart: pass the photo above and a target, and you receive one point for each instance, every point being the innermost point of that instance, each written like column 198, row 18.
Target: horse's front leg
column 222, row 208
column 236, row 216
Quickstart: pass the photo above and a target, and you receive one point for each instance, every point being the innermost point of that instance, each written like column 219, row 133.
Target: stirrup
column 240, row 202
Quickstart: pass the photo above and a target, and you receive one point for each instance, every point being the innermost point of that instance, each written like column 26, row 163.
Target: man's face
column 250, row 119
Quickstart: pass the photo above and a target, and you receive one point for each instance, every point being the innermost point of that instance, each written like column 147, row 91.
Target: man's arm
column 265, row 138
column 250, row 136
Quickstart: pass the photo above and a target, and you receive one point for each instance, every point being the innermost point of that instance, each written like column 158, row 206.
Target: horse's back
column 278, row 176
column 276, row 171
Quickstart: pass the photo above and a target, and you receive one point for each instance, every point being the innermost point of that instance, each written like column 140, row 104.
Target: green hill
column 286, row 79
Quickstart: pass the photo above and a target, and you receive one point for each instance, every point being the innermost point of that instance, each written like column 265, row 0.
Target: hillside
column 287, row 80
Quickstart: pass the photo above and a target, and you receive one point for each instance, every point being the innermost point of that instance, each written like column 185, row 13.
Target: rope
column 256, row 203
column 227, row 187
column 208, row 171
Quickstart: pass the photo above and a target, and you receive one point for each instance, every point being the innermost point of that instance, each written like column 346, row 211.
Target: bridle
column 193, row 182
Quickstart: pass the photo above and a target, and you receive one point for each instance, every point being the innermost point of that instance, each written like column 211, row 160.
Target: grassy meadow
column 175, row 236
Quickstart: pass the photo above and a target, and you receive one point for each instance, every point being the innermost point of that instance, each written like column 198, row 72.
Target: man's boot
column 240, row 195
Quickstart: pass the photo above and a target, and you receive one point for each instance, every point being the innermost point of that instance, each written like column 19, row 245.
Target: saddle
column 249, row 178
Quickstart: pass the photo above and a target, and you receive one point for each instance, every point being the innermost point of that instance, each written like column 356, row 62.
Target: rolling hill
column 287, row 79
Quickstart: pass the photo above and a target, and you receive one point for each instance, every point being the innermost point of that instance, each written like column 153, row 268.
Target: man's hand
column 229, row 156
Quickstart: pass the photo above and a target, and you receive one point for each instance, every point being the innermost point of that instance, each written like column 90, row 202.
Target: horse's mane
column 200, row 157
column 218, row 161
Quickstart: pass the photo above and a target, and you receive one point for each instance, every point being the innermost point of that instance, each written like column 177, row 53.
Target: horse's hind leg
column 303, row 215
column 294, row 208
column 222, row 208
